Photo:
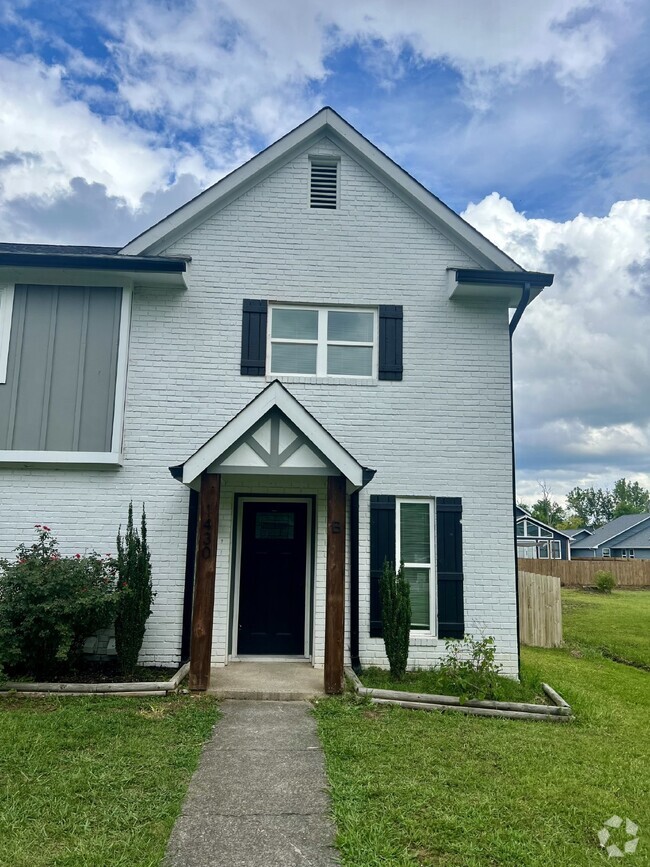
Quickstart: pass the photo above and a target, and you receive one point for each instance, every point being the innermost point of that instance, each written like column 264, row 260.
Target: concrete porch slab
column 267, row 681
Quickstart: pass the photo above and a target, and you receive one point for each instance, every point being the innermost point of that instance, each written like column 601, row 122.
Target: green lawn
column 88, row 782
column 414, row 788
column 617, row 624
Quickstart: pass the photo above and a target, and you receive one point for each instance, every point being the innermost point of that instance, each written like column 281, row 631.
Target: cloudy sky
column 530, row 119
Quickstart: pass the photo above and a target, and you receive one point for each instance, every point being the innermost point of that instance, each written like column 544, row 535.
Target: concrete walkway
column 258, row 798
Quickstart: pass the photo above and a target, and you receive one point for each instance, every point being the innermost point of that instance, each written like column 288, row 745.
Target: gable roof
column 274, row 396
column 522, row 513
column 324, row 122
column 638, row 539
column 610, row 531
column 573, row 533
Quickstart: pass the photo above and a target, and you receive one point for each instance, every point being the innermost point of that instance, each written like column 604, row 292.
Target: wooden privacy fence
column 540, row 610
column 580, row 573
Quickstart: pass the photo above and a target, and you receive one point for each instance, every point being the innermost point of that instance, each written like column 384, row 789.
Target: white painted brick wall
column 443, row 431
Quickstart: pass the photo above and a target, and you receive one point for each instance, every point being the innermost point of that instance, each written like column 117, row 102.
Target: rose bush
column 50, row 603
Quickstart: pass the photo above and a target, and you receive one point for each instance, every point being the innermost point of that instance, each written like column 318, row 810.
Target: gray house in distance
column 627, row 538
column 539, row 541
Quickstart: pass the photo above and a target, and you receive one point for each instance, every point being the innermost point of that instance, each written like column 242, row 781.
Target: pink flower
column 77, row 556
column 37, row 526
column 47, row 529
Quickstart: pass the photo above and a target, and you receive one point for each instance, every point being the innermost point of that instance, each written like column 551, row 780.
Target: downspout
column 519, row 312
column 354, row 582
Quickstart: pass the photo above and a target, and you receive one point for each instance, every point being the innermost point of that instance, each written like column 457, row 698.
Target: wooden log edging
column 145, row 688
column 559, row 711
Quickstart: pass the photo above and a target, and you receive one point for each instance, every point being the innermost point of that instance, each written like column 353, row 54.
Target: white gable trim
column 275, row 395
column 325, row 122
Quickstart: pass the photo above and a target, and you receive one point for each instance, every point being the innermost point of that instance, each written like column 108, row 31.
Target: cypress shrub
column 396, row 616
column 135, row 592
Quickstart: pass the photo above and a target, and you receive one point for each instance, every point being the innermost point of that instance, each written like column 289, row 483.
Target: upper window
column 6, row 308
column 323, row 184
column 414, row 538
column 527, row 528
column 323, row 341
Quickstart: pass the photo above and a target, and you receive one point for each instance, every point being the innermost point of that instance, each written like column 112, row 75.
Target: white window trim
column 321, row 342
column 555, row 543
column 607, row 553
column 113, row 457
column 431, row 632
column 6, row 314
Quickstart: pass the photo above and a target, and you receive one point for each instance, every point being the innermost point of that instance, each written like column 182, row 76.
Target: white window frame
column 321, row 342
column 6, row 314
column 607, row 553
column 627, row 553
column 113, row 457
column 555, row 544
column 431, row 566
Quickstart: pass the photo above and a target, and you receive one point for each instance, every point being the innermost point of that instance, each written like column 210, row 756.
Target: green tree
column 547, row 510
column 630, row 498
column 594, row 507
column 396, row 617
column 136, row 593
column 571, row 522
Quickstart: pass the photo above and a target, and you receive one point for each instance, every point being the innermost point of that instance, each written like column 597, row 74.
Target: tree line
column 590, row 507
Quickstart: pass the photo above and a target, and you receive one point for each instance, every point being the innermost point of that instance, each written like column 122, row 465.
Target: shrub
column 136, row 593
column 396, row 615
column 604, row 581
column 49, row 604
column 469, row 667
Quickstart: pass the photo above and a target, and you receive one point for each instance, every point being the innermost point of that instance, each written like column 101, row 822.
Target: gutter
column 150, row 264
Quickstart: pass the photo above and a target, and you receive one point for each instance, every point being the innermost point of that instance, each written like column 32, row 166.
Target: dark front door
column 272, row 580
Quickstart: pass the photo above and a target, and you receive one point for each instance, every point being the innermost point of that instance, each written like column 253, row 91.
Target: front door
column 272, row 579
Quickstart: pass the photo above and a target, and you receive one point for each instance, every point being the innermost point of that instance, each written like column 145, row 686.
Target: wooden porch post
column 206, row 564
column 335, row 586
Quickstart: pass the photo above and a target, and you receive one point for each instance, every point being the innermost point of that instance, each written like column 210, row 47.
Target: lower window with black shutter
column 401, row 531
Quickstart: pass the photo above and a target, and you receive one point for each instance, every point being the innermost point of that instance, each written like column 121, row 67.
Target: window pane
column 418, row 580
column 342, row 325
column 546, row 533
column 532, row 529
column 349, row 360
column 520, row 529
column 415, row 545
column 299, row 324
column 556, row 552
column 543, row 551
column 293, row 358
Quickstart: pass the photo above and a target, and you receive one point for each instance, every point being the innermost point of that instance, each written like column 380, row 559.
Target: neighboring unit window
column 6, row 309
column 607, row 552
column 323, row 341
column 543, row 551
column 520, row 528
column 414, row 548
column 556, row 550
column 546, row 533
column 323, row 184
column 627, row 553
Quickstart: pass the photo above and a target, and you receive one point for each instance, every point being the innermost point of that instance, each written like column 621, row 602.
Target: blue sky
column 530, row 119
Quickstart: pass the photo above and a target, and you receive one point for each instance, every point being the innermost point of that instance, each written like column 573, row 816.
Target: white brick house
column 319, row 349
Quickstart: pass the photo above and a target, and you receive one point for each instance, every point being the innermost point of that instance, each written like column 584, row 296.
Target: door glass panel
column 415, row 545
column 293, row 358
column 296, row 323
column 418, row 580
column 343, row 325
column 274, row 525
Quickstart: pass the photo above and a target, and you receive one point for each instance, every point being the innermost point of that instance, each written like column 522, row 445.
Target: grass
column 435, row 682
column 413, row 788
column 616, row 624
column 95, row 781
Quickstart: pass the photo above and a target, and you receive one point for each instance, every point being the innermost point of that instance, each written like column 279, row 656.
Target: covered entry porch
column 271, row 543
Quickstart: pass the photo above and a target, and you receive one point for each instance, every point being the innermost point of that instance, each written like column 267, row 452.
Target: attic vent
column 323, row 189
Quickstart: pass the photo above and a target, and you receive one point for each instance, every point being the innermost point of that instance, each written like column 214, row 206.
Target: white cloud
column 48, row 138
column 581, row 352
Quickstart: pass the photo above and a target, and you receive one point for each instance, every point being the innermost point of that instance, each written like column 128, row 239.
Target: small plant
column 604, row 581
column 396, row 614
column 469, row 667
column 135, row 592
column 49, row 604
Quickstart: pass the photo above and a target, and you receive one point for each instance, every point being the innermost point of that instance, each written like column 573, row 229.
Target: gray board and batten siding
column 61, row 372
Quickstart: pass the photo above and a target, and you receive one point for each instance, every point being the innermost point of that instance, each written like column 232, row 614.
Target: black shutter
column 253, row 338
column 382, row 547
column 451, row 622
column 390, row 341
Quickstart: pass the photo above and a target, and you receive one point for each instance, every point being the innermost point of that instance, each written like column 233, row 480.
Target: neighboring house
column 578, row 535
column 303, row 372
column 539, row 541
column 627, row 538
